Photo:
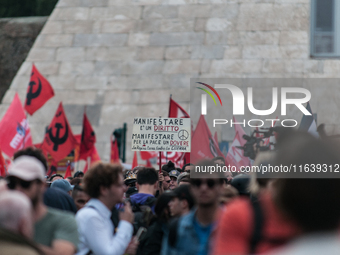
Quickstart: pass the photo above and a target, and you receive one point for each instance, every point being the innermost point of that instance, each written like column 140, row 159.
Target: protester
column 169, row 166
column 241, row 183
column 151, row 243
column 130, row 179
column 219, row 160
column 183, row 178
column 166, row 181
column 191, row 233
column 56, row 177
column 229, row 193
column 59, row 199
column 55, row 231
column 104, row 183
column 173, row 179
column 187, row 167
column 80, row 198
column 181, row 201
column 62, row 184
column 16, row 224
column 313, row 203
column 78, row 174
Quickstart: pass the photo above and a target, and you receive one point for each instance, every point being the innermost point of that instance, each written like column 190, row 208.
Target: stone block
column 71, row 54
column 52, row 27
column 78, row 97
column 205, row 66
column 20, row 82
column 94, row 40
column 259, row 37
column 54, row 41
column 219, row 24
column 108, row 68
column 75, row 113
column 274, row 66
column 145, row 2
column 119, row 2
column 207, row 52
column 78, row 27
column 151, row 81
column 118, row 97
column 182, row 66
column 63, row 81
column 179, row 52
column 41, row 54
column 113, row 114
column 194, row 11
column 77, row 68
column 294, row 37
column 91, row 82
column 262, row 51
column 226, row 10
column 160, row 12
column 295, row 51
column 178, row 81
column 232, row 52
column 138, row 39
column 200, row 24
column 93, row 3
column 152, row 53
column 177, row 25
column 331, row 66
column 110, row 53
column 116, row 13
column 145, row 67
column 45, row 68
column 152, row 96
column 70, row 13
column 222, row 38
column 148, row 25
column 185, row 38
column 117, row 26
column 68, row 3
column 226, row 66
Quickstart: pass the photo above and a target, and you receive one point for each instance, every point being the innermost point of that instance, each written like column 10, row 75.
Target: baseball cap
column 183, row 177
column 62, row 184
column 27, row 168
column 174, row 173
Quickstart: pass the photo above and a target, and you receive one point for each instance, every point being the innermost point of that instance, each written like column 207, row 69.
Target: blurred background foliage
column 25, row 8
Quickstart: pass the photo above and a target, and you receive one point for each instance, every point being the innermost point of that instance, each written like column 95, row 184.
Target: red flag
column 2, row 165
column 148, row 163
column 39, row 91
column 15, row 133
column 114, row 156
column 145, row 155
column 94, row 157
column 134, row 161
column 59, row 140
column 203, row 145
column 88, row 139
column 235, row 155
column 176, row 111
column 68, row 171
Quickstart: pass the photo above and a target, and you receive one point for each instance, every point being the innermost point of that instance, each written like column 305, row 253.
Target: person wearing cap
column 78, row 174
column 183, row 179
column 173, row 179
column 181, row 202
column 55, row 231
column 64, row 185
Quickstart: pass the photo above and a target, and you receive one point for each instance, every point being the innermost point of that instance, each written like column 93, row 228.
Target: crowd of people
column 114, row 211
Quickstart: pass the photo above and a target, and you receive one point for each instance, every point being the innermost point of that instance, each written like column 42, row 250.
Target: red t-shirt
column 236, row 227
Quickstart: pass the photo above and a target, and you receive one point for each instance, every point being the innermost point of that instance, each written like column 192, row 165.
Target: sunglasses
column 24, row 184
column 198, row 182
column 168, row 181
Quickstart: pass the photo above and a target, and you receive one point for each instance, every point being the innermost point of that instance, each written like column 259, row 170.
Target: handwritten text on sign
column 161, row 134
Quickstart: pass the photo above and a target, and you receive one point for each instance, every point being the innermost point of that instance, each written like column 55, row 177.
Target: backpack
column 143, row 213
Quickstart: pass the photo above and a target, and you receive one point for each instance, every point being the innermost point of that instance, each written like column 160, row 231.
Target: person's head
column 166, row 182
column 173, row 179
column 162, row 207
column 136, row 169
column 27, row 174
column 241, row 183
column 105, row 182
column 32, row 152
column 80, row 198
column 56, row 177
column 219, row 161
column 76, row 181
column 313, row 203
column 182, row 201
column 78, row 174
column 228, row 194
column 62, row 184
column 16, row 213
column 130, row 179
column 183, row 179
column 147, row 180
column 208, row 187
column 169, row 166
column 187, row 167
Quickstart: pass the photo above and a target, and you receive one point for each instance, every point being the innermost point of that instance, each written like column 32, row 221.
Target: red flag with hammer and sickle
column 39, row 91
column 59, row 140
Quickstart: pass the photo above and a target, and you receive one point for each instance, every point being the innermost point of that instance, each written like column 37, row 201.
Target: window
column 325, row 28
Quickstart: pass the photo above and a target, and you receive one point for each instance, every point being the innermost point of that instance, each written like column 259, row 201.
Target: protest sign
column 161, row 134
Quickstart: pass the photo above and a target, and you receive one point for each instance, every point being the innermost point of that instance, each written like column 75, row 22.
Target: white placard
column 161, row 134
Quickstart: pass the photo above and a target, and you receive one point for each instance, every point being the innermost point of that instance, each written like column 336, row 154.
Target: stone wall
column 123, row 58
column 17, row 36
